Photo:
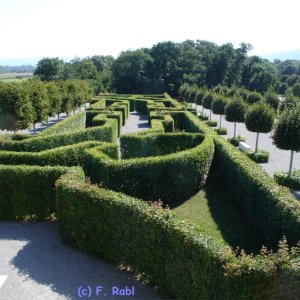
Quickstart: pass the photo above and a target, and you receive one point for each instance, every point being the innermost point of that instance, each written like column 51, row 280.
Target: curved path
column 35, row 264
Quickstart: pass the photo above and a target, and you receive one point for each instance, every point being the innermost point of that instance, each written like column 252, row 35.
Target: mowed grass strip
column 212, row 210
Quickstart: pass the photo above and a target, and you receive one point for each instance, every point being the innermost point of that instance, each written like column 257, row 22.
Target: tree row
column 25, row 104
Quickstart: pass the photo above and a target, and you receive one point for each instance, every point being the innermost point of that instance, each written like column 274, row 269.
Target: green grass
column 212, row 210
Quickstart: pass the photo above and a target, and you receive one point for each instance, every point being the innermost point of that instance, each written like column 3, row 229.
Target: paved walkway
column 135, row 122
column 39, row 266
column 279, row 159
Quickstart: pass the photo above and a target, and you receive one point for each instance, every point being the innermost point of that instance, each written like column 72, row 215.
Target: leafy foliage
column 286, row 134
column 259, row 117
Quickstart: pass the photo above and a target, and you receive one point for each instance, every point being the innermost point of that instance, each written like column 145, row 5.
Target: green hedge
column 141, row 106
column 110, row 114
column 177, row 256
column 103, row 120
column 120, row 105
column 97, row 104
column 71, row 155
column 167, row 121
column 134, row 146
column 284, row 179
column 170, row 177
column 105, row 133
column 75, row 122
column 28, row 192
column 271, row 210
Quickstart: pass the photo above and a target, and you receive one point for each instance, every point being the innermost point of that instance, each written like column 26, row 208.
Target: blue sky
column 68, row 28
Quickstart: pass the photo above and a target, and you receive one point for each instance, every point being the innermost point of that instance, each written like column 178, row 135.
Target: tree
column 253, row 97
column 129, row 71
column 271, row 99
column 16, row 111
column 235, row 112
column 207, row 101
column 259, row 118
column 286, row 134
column 218, row 106
column 296, row 89
column 49, row 69
column 199, row 97
column 55, row 98
column 39, row 99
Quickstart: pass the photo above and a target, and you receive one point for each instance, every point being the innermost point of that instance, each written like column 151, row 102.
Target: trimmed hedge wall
column 271, row 210
column 167, row 121
column 171, row 177
column 74, row 122
column 71, row 155
column 97, row 104
column 177, row 256
column 110, row 114
column 103, row 133
column 112, row 124
column 134, row 146
column 28, row 192
column 141, row 106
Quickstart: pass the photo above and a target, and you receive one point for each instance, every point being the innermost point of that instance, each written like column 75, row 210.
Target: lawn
column 212, row 210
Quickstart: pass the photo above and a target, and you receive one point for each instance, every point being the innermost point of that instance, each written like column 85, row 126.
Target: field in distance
column 15, row 76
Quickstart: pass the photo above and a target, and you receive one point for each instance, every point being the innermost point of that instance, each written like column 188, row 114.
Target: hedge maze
column 98, row 190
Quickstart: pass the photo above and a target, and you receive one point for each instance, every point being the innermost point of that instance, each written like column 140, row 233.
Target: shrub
column 134, row 146
column 27, row 192
column 204, row 118
column 271, row 210
column 221, row 131
column 211, row 123
column 105, row 133
column 260, row 156
column 72, row 123
column 175, row 255
column 235, row 141
column 292, row 181
column 169, row 177
column 71, row 155
column 141, row 106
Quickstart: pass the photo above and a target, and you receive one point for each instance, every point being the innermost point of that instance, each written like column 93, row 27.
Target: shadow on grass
column 214, row 211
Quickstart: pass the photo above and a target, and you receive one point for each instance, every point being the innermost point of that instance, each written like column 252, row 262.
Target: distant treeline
column 17, row 69
column 168, row 65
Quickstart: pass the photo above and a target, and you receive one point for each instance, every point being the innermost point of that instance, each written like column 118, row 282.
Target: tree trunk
column 57, row 116
column 291, row 163
column 234, row 132
column 210, row 114
column 202, row 110
column 256, row 146
column 220, row 121
column 33, row 127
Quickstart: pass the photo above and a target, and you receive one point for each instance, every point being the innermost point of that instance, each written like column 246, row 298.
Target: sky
column 69, row 28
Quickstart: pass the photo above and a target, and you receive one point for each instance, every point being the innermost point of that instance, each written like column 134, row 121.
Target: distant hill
column 19, row 61
column 17, row 69
column 294, row 54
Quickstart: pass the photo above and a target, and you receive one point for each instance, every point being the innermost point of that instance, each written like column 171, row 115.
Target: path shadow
column 47, row 261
